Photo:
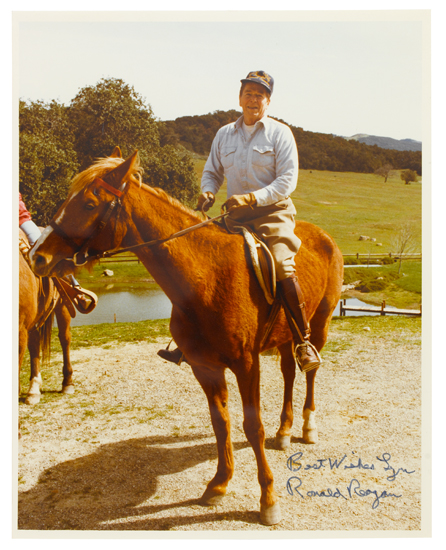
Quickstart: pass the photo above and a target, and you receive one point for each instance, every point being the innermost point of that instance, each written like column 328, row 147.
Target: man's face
column 254, row 101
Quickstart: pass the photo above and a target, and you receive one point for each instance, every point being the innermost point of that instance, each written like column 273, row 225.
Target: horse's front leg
column 248, row 379
column 214, row 386
column 33, row 396
column 63, row 324
column 288, row 367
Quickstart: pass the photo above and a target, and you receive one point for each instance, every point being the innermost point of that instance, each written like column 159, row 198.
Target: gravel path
column 133, row 448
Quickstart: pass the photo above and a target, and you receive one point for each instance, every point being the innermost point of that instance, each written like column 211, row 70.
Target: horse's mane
column 101, row 167
column 104, row 165
column 171, row 200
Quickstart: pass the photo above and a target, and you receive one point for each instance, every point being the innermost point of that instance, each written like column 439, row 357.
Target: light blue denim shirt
column 266, row 165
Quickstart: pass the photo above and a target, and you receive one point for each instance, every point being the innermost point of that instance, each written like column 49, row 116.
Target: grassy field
column 347, row 205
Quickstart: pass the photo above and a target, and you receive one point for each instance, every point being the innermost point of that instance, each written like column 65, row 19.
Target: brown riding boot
column 175, row 356
column 306, row 354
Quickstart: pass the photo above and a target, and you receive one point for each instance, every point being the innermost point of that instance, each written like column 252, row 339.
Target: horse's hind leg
column 309, row 429
column 319, row 330
column 33, row 396
column 248, row 379
column 63, row 324
column 288, row 367
column 214, row 386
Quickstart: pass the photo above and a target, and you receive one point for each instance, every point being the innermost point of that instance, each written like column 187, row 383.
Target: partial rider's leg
column 294, row 305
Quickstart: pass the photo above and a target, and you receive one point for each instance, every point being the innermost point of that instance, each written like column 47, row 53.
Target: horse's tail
column 45, row 332
column 49, row 295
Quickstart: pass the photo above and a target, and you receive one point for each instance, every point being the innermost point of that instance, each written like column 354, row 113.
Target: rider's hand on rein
column 236, row 201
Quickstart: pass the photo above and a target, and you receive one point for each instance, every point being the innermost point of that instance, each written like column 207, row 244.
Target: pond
column 140, row 304
column 129, row 306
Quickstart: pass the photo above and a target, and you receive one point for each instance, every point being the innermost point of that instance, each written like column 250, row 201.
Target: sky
column 335, row 72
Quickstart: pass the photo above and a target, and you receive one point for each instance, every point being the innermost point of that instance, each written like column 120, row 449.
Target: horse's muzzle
column 39, row 264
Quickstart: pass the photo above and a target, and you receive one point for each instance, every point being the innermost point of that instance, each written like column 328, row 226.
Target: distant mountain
column 387, row 143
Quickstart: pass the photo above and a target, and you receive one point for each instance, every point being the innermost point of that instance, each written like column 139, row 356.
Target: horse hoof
column 309, row 430
column 32, row 399
column 68, row 389
column 310, row 436
column 270, row 515
column 212, row 500
column 282, row 442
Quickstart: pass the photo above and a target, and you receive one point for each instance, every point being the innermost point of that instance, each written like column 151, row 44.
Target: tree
column 384, row 171
column 47, row 160
column 409, row 175
column 172, row 170
column 404, row 242
column 108, row 114
column 112, row 113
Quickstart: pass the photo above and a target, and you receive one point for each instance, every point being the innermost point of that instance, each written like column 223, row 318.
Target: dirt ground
column 133, row 448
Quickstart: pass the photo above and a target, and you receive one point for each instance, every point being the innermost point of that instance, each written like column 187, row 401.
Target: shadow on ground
column 112, row 483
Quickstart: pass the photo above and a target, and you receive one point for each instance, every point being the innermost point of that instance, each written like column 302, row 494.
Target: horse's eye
column 90, row 206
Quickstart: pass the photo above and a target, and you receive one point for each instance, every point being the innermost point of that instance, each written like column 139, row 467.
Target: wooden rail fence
column 415, row 256
column 125, row 257
column 377, row 309
column 129, row 257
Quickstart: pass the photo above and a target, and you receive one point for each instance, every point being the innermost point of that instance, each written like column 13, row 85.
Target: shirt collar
column 239, row 122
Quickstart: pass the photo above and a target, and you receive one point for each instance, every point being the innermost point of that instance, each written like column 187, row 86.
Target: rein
column 83, row 250
column 107, row 254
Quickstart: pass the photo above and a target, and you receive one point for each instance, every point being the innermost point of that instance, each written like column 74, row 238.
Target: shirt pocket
column 227, row 156
column 263, row 155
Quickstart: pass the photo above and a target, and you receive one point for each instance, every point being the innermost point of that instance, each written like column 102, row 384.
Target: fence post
column 383, row 305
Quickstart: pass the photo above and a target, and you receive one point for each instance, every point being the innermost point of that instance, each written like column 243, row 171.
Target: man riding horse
column 259, row 158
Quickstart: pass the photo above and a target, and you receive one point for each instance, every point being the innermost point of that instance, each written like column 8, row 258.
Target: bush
column 361, row 261
column 388, row 260
column 372, row 286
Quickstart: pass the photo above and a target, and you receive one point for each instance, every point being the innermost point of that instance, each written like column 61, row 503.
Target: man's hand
column 239, row 200
column 205, row 201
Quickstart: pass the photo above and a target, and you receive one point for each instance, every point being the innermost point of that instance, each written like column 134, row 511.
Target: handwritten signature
column 294, row 484
column 353, row 488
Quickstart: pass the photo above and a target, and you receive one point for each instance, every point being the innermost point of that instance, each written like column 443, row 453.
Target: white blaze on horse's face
column 60, row 214
column 76, row 218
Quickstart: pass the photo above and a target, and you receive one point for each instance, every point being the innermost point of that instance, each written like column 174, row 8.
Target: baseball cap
column 260, row 77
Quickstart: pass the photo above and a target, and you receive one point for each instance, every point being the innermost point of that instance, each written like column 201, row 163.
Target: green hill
column 348, row 205
column 316, row 151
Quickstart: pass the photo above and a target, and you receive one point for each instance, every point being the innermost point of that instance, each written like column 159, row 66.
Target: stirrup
column 307, row 348
column 174, row 356
column 85, row 301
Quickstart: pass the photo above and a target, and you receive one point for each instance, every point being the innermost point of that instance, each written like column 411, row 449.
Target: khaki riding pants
column 274, row 224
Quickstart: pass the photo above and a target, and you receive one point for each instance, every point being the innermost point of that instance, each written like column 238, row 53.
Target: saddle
column 83, row 300
column 261, row 258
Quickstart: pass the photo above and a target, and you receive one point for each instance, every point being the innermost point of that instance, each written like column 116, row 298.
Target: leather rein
column 81, row 257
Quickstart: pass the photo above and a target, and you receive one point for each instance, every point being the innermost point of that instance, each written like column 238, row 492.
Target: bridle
column 81, row 256
column 97, row 230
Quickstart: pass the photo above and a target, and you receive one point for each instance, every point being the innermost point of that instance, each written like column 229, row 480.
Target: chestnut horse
column 219, row 310
column 38, row 302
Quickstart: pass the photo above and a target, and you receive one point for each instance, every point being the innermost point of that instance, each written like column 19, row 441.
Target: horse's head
column 86, row 223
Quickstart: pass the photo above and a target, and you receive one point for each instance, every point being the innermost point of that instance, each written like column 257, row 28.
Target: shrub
column 388, row 260
column 372, row 286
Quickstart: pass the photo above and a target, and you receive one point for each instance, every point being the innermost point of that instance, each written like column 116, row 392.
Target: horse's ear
column 120, row 174
column 116, row 152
